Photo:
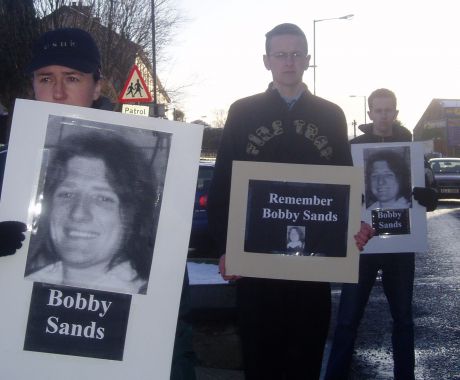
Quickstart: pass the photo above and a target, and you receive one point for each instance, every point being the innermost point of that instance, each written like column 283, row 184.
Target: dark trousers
column 398, row 281
column 283, row 328
column 183, row 359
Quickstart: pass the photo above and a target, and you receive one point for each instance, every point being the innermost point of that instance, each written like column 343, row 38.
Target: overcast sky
column 410, row 47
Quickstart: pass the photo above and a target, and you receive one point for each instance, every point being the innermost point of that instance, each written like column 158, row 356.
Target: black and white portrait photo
column 295, row 244
column 97, row 206
column 387, row 178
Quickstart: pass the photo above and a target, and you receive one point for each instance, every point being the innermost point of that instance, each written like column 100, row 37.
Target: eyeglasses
column 283, row 56
column 381, row 111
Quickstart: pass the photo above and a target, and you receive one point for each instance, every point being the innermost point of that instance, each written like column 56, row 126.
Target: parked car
column 201, row 243
column 430, row 180
column 447, row 175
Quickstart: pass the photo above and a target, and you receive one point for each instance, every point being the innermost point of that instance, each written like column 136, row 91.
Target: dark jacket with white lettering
column 399, row 134
column 262, row 128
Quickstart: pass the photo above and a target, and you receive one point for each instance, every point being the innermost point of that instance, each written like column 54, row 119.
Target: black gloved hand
column 11, row 236
column 426, row 196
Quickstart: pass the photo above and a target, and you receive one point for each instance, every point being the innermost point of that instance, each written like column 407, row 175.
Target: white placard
column 172, row 150
column 391, row 171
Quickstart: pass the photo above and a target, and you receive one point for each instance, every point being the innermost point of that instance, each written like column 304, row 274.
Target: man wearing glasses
column 283, row 324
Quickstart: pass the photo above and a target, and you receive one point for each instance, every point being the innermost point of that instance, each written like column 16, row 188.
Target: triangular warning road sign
column 135, row 89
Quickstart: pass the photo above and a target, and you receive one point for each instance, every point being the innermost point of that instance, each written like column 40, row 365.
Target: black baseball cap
column 69, row 47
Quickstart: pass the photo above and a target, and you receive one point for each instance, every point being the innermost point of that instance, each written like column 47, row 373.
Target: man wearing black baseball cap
column 65, row 68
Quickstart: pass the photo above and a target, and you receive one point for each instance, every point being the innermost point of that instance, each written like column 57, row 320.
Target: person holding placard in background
column 397, row 268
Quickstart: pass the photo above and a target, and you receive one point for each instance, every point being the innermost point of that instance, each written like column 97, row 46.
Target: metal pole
column 347, row 17
column 314, row 57
column 154, row 62
column 365, row 105
column 365, row 109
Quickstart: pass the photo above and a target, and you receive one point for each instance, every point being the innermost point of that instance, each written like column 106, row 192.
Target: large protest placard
column 294, row 222
column 108, row 199
column 391, row 171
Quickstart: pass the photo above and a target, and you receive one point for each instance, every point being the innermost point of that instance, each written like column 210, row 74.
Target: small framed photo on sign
column 294, row 222
column 391, row 171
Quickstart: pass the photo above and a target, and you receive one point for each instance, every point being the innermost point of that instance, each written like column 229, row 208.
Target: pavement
column 436, row 317
column 215, row 338
column 216, row 342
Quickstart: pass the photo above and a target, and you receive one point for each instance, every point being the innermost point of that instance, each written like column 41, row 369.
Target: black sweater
column 398, row 134
column 262, row 128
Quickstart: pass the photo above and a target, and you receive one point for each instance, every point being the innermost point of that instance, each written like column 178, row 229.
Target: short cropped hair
column 381, row 93
column 282, row 29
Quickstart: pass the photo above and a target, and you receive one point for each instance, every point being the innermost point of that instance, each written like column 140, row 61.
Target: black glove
column 427, row 197
column 11, row 236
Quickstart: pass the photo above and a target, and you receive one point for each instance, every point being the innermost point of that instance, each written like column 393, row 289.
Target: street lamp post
column 365, row 105
column 354, row 124
column 346, row 17
column 154, row 60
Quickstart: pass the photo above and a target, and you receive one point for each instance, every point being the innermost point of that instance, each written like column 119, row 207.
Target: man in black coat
column 283, row 324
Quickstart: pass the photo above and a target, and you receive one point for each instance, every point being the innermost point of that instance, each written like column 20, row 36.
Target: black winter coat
column 262, row 128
